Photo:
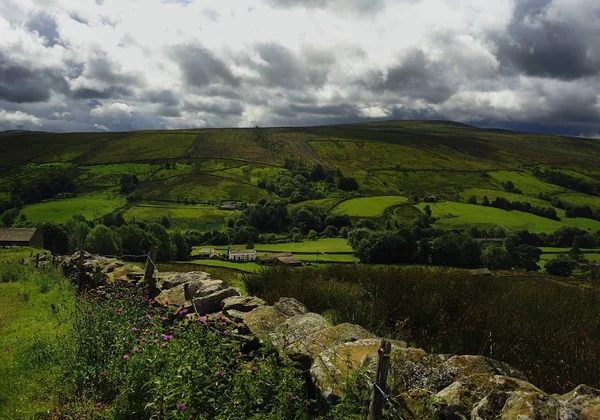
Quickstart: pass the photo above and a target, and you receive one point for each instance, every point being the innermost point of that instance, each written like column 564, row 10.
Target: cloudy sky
column 99, row 65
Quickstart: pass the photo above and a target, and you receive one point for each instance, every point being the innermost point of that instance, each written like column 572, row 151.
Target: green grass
column 325, row 204
column 17, row 253
column 460, row 215
column 110, row 175
column 580, row 199
column 183, row 217
column 527, row 183
column 250, row 267
column 92, row 206
column 479, row 193
column 320, row 245
column 328, row 258
column 35, row 312
column 367, row 206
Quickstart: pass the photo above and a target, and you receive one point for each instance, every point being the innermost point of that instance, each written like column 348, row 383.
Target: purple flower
column 136, row 350
column 218, row 373
column 253, row 368
column 133, row 329
column 291, row 397
column 101, row 375
column 126, row 357
column 148, row 316
column 181, row 406
column 165, row 337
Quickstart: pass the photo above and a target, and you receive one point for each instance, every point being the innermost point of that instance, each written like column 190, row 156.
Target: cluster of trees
column 44, row 189
column 504, row 204
column 128, row 183
column 305, row 183
column 567, row 181
column 426, row 245
column 570, row 209
column 116, row 238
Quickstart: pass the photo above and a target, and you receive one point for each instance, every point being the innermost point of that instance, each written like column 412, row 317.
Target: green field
column 579, row 199
column 479, row 193
column 529, row 184
column 460, row 215
column 92, row 206
column 368, row 206
column 249, row 267
column 182, row 217
column 320, row 245
column 328, row 258
column 325, row 204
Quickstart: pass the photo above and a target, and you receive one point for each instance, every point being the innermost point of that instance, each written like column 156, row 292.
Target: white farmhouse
column 242, row 255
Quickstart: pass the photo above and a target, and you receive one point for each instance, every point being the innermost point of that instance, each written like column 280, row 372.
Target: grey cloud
column 165, row 97
column 416, row 77
column 45, row 26
column 537, row 46
column 113, row 92
column 222, row 108
column 200, row 67
column 339, row 5
column 285, row 69
column 105, row 70
column 20, row 84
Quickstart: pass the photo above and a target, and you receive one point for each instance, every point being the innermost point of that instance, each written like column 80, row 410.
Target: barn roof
column 16, row 234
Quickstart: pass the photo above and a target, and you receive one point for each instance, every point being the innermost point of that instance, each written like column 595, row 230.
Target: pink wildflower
column 218, row 373
column 126, row 357
column 291, row 397
column 133, row 329
column 253, row 368
column 148, row 316
column 136, row 350
column 181, row 406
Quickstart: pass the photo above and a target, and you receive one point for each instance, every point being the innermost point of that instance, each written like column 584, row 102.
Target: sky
column 119, row 65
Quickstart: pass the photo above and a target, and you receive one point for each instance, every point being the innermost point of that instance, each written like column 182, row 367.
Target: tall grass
column 549, row 330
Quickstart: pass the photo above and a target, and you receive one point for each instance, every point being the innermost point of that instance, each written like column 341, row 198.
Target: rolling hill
column 403, row 159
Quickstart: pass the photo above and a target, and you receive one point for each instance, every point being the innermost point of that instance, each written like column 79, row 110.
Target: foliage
column 451, row 311
column 56, row 238
column 128, row 183
column 565, row 180
column 102, row 240
column 561, row 265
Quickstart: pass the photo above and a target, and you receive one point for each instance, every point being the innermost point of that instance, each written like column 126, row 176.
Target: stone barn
column 31, row 237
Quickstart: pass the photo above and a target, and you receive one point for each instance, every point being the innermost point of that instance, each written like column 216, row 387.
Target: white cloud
column 113, row 110
column 17, row 119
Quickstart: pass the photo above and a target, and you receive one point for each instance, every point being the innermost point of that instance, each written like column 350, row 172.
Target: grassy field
column 367, row 206
column 529, row 184
column 249, row 267
column 320, row 245
column 34, row 315
column 581, row 199
column 183, row 217
column 326, row 204
column 479, row 193
column 92, row 206
column 460, row 215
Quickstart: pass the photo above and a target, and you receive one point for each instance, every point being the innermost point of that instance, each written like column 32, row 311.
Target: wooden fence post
column 80, row 267
column 37, row 260
column 149, row 272
column 380, row 386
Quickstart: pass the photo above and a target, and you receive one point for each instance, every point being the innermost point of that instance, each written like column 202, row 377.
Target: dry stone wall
column 428, row 385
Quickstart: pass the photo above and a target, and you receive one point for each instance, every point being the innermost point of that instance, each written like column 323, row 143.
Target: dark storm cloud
column 200, row 67
column 221, row 108
column 45, row 26
column 417, row 77
column 20, row 83
column 341, row 110
column 283, row 68
column 537, row 46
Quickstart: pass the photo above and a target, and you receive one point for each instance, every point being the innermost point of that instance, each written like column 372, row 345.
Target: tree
column 166, row 248
column 128, row 183
column 9, row 217
column 313, row 235
column 56, row 238
column 472, row 200
column 347, row 184
column 496, row 257
column 182, row 247
column 485, row 201
column 135, row 240
column 560, row 266
column 385, row 248
column 427, row 210
column 102, row 240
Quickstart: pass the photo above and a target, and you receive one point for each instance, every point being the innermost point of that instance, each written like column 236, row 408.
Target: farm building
column 242, row 255
column 21, row 237
column 207, row 253
column 284, row 258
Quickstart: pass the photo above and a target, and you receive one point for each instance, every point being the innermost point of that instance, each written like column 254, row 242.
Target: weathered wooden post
column 80, row 267
column 380, row 385
column 37, row 260
column 149, row 272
